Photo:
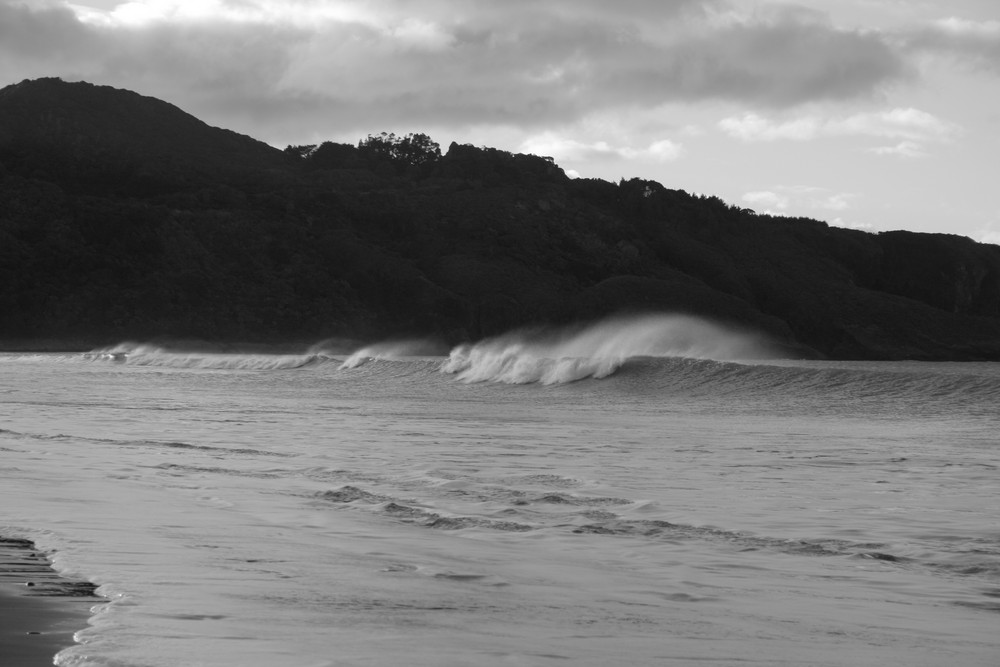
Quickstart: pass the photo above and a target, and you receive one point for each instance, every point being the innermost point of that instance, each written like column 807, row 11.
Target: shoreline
column 40, row 611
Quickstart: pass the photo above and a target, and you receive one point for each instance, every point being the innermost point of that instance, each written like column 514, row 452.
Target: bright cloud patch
column 798, row 200
column 143, row 13
column 664, row 150
column 905, row 123
column 565, row 148
column 767, row 201
column 752, row 127
column 910, row 149
column 990, row 236
column 913, row 127
column 909, row 123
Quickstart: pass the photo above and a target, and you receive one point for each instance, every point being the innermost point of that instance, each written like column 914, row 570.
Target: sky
column 868, row 114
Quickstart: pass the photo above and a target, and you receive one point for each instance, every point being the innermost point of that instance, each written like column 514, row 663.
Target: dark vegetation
column 123, row 217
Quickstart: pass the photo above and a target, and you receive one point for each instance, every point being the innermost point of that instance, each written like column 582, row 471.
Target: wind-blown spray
column 567, row 355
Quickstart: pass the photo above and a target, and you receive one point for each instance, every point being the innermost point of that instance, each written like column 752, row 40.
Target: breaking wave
column 675, row 355
column 597, row 351
column 392, row 350
column 547, row 356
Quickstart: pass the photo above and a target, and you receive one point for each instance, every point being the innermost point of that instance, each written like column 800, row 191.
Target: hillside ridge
column 123, row 217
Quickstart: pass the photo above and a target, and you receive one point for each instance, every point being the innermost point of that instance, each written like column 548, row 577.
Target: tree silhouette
column 412, row 150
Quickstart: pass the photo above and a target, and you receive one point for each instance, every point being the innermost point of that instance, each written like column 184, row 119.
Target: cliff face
column 123, row 217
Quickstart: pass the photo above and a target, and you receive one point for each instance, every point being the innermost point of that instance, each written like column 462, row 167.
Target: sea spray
column 598, row 350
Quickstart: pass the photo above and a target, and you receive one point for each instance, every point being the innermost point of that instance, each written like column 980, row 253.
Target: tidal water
column 613, row 496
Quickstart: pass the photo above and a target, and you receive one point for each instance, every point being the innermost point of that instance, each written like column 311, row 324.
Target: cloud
column 975, row 43
column 912, row 127
column 300, row 13
column 182, row 62
column 837, row 202
column 565, row 148
column 664, row 150
column 793, row 200
column 752, row 127
column 378, row 63
column 990, row 232
column 43, row 36
column 908, row 123
column 771, row 201
column 851, row 224
column 989, row 236
column 779, row 61
column 908, row 149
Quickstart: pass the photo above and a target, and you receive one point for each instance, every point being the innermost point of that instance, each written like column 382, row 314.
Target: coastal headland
column 123, row 218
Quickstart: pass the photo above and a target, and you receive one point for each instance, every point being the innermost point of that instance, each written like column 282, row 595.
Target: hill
column 121, row 217
column 101, row 140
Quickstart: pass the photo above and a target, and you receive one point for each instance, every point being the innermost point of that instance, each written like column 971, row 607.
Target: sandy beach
column 39, row 610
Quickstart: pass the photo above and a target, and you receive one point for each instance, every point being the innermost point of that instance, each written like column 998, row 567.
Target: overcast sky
column 875, row 114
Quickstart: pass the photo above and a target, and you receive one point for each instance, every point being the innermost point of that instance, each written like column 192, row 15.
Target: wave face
column 596, row 351
column 390, row 350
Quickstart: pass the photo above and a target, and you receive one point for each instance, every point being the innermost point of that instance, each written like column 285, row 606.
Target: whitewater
column 650, row 491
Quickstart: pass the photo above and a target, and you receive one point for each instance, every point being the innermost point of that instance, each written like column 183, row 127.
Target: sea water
column 620, row 495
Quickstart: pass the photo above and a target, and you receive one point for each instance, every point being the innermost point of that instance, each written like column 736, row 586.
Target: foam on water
column 139, row 354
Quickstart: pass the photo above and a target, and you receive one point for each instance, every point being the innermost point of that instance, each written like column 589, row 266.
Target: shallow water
column 297, row 510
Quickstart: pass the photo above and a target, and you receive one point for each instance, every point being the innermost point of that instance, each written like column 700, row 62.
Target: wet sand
column 39, row 610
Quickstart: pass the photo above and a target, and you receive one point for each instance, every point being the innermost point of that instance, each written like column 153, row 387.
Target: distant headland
column 123, row 217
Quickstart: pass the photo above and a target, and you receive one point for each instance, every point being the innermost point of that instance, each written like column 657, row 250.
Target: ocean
column 653, row 491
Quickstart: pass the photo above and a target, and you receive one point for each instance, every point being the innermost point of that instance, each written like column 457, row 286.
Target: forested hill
column 122, row 217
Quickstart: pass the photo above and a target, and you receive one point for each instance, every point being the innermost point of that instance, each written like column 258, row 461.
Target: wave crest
column 598, row 350
column 391, row 350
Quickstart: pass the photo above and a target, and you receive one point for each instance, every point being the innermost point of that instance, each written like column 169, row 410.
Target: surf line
column 40, row 611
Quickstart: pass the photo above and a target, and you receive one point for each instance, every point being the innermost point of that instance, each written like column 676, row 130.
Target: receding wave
column 412, row 513
column 150, row 444
column 598, row 350
column 580, row 515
